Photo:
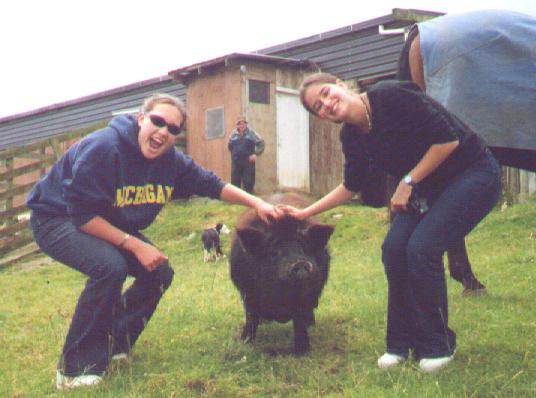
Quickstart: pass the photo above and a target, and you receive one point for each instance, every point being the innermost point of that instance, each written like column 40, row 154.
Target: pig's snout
column 301, row 269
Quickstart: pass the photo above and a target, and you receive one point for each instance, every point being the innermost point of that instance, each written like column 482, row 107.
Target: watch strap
column 408, row 180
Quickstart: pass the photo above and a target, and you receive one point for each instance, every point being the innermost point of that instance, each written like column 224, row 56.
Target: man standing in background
column 244, row 144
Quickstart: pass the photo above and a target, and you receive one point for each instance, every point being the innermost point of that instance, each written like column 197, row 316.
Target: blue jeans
column 105, row 321
column 412, row 253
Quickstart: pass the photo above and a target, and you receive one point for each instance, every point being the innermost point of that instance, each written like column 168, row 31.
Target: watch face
column 408, row 180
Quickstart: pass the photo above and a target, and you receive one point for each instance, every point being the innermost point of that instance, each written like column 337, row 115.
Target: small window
column 214, row 126
column 259, row 91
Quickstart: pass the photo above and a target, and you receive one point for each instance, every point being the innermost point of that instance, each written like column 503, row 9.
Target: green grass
column 190, row 347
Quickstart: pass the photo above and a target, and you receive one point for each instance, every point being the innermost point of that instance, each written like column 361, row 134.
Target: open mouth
column 155, row 143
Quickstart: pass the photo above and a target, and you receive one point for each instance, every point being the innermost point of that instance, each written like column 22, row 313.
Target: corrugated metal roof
column 22, row 129
column 352, row 52
column 355, row 52
column 198, row 68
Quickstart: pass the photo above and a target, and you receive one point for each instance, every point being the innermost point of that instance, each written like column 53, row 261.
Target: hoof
column 302, row 348
column 299, row 351
column 474, row 292
column 247, row 339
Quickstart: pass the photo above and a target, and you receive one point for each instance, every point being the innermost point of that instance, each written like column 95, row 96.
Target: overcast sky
column 56, row 50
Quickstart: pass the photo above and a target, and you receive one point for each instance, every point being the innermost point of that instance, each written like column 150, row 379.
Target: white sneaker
column 430, row 365
column 64, row 382
column 120, row 357
column 388, row 360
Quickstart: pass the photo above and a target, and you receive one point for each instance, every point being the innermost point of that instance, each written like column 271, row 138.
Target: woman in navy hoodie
column 87, row 213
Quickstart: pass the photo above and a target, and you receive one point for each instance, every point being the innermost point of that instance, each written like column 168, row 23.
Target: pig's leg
column 460, row 269
column 301, row 337
column 249, row 331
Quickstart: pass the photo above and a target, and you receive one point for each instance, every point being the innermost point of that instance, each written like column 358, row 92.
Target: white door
column 292, row 141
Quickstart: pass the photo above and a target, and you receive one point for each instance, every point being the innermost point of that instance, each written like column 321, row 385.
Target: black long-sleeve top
column 405, row 124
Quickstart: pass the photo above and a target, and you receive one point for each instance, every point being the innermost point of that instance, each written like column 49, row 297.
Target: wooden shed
column 262, row 88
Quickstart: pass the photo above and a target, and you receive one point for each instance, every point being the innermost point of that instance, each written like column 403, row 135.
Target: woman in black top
column 395, row 127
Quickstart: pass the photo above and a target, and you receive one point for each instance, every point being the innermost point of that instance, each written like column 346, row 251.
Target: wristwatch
column 408, row 180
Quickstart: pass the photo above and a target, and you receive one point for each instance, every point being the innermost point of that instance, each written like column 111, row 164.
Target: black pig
column 280, row 269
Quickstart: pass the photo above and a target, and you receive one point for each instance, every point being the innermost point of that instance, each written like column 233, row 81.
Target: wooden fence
column 20, row 168
column 518, row 185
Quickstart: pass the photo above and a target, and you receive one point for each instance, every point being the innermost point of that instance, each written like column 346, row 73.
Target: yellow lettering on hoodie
column 169, row 191
column 127, row 194
column 160, row 196
column 139, row 195
column 119, row 198
column 149, row 193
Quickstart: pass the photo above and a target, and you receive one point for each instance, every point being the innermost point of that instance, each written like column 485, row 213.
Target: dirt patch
column 30, row 265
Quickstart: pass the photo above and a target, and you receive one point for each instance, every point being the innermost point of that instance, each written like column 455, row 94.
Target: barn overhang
column 186, row 74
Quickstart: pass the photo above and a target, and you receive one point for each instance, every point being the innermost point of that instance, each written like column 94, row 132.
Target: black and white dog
column 211, row 242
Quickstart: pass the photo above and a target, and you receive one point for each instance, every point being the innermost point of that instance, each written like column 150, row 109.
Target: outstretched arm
column 265, row 211
column 333, row 199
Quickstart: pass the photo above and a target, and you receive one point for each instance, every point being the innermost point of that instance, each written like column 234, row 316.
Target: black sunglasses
column 159, row 121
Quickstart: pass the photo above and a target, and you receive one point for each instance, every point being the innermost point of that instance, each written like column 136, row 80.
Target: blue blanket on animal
column 482, row 67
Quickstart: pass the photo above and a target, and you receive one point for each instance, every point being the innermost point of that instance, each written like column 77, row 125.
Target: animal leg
column 205, row 255
column 301, row 336
column 249, row 332
column 460, row 269
column 219, row 252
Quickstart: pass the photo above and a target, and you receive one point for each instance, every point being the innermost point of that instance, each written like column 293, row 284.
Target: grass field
column 191, row 348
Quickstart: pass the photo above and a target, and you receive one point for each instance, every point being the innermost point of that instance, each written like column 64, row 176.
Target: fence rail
column 518, row 185
column 20, row 168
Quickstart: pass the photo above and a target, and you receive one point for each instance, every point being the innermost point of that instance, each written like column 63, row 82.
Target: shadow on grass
column 276, row 339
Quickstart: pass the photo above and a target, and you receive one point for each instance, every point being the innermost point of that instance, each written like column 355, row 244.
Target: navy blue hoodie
column 105, row 174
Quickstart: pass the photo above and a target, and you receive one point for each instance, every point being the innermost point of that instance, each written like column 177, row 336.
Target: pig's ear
column 252, row 240
column 318, row 235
